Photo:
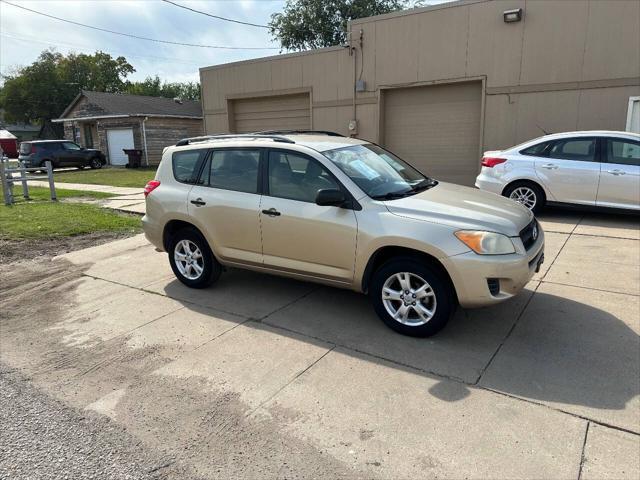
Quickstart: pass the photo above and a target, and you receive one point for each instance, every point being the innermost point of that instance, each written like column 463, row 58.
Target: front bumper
column 471, row 272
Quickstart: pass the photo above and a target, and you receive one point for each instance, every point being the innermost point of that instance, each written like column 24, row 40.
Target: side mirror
column 330, row 197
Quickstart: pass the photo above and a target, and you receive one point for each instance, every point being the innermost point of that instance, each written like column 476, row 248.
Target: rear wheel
column 528, row 194
column 191, row 259
column 95, row 163
column 411, row 298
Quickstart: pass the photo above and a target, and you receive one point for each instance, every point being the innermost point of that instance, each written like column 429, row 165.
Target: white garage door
column 117, row 140
column 282, row 112
column 436, row 128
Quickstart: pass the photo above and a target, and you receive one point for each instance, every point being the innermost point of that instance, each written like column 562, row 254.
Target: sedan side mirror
column 330, row 197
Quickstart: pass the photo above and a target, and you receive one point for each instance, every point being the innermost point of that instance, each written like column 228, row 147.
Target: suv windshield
column 380, row 174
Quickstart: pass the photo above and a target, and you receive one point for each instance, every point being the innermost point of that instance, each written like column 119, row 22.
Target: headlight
column 486, row 243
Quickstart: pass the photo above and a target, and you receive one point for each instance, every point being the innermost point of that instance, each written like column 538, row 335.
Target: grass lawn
column 116, row 177
column 40, row 218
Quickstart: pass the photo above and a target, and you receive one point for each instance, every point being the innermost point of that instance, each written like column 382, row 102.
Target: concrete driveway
column 263, row 377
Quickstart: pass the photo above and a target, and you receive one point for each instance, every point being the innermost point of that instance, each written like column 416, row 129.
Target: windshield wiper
column 393, row 195
column 425, row 184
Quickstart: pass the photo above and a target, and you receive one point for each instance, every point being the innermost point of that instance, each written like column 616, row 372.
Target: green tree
column 41, row 91
column 154, row 87
column 306, row 24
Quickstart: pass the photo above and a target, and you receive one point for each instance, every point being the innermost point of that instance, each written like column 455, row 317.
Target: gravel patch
column 43, row 438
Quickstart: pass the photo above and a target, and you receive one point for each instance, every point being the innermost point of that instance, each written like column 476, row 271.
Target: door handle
column 550, row 166
column 272, row 212
column 616, row 172
column 198, row 202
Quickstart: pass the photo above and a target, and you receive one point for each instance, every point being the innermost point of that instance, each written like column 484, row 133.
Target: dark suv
column 62, row 153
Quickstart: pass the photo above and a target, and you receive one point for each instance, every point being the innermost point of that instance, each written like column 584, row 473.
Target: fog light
column 511, row 16
column 494, row 286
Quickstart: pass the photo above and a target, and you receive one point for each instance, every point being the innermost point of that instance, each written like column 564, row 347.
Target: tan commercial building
column 441, row 84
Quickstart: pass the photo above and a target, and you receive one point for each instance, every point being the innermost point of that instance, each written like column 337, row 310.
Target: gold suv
column 340, row 211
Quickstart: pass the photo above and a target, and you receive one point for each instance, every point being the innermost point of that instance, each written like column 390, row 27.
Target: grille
column 527, row 234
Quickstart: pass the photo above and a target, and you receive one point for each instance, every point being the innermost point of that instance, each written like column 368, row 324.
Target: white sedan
column 592, row 168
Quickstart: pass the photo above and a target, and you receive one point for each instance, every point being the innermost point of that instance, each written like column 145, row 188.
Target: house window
column 88, row 136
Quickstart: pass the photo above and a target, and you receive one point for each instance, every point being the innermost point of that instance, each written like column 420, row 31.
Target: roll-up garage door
column 282, row 112
column 436, row 128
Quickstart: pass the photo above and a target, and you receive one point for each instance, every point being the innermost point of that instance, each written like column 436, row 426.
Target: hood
column 464, row 208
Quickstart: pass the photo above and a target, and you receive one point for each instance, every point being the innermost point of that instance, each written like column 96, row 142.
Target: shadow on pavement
column 560, row 351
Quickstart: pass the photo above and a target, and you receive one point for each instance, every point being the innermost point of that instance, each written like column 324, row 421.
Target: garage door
column 436, row 128
column 283, row 112
column 118, row 140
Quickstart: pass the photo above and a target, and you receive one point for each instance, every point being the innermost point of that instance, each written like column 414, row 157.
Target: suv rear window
column 25, row 148
column 186, row 165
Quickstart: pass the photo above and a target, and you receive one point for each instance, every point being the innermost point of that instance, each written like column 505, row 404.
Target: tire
column 210, row 269
column 528, row 194
column 439, row 298
column 95, row 163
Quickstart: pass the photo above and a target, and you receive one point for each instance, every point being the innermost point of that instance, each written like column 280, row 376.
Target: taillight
column 492, row 161
column 150, row 187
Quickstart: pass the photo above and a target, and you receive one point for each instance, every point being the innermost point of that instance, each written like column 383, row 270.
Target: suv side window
column 70, row 146
column 297, row 177
column 186, row 165
column 623, row 152
column 579, row 149
column 234, row 169
column 537, row 150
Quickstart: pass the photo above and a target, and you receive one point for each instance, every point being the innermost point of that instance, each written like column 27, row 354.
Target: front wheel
column 95, row 163
column 191, row 259
column 411, row 298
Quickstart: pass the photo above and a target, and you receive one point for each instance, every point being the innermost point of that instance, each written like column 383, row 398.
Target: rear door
column 225, row 202
column 620, row 175
column 570, row 170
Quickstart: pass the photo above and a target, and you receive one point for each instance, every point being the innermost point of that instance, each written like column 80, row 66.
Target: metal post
column 25, row 187
column 52, row 187
column 5, row 183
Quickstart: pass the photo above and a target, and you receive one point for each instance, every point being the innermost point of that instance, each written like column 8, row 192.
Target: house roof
column 120, row 104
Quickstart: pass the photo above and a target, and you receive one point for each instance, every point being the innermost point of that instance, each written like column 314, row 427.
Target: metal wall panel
column 272, row 113
column 436, row 128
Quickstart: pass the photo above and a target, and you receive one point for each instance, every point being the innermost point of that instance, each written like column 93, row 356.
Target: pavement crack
column 584, row 447
column 504, row 340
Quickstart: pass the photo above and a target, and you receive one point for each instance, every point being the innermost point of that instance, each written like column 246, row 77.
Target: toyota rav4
column 340, row 211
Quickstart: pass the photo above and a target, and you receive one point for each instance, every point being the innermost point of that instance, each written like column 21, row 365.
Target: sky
column 23, row 35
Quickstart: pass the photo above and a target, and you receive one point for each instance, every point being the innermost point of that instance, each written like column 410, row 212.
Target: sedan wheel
column 95, row 163
column 525, row 196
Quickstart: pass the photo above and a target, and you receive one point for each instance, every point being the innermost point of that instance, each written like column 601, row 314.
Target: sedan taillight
column 492, row 161
column 151, row 186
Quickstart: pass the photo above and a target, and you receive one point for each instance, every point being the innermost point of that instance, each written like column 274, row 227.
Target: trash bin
column 135, row 157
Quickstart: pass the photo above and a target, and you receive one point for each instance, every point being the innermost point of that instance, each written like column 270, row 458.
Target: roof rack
column 260, row 136
column 309, row 132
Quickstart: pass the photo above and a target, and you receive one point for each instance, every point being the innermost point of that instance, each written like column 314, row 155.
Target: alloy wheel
column 409, row 299
column 525, row 196
column 189, row 260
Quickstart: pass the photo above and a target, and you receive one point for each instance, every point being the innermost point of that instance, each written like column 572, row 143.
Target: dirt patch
column 199, row 427
column 28, row 250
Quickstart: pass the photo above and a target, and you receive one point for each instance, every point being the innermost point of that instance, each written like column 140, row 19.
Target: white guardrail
column 7, row 179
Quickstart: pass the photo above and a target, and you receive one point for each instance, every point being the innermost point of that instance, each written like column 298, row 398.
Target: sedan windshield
column 380, row 174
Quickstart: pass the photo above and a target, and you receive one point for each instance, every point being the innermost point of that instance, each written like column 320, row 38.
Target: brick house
column 112, row 122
